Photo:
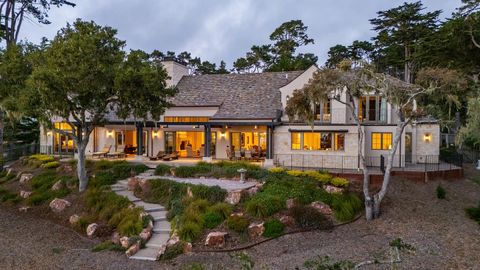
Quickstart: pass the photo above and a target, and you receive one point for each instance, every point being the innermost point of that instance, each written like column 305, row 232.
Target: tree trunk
column 1, row 139
column 81, row 170
column 407, row 71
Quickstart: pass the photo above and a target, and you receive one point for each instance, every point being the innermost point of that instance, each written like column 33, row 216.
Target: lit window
column 311, row 141
column 326, row 143
column 381, row 141
column 296, row 140
column 376, row 141
column 386, row 141
column 339, row 141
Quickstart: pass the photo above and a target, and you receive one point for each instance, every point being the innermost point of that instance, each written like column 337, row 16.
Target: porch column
column 207, row 141
column 139, row 139
column 269, row 154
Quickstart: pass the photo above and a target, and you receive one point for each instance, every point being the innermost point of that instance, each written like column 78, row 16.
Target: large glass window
column 372, row 108
column 381, row 140
column 326, row 143
column 339, row 141
column 296, row 140
column 311, row 141
column 323, row 111
column 316, row 141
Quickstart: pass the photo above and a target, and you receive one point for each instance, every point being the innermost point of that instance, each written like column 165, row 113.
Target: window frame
column 382, row 134
column 333, row 148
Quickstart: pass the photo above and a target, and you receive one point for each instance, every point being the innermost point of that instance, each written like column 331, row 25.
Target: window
column 183, row 119
column 323, row 111
column 317, row 141
column 381, row 141
column 372, row 108
column 296, row 140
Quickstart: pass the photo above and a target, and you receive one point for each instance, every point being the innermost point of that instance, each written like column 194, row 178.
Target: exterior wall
column 427, row 152
column 176, row 71
column 374, row 155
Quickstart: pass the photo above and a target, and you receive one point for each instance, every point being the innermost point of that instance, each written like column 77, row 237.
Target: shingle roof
column 239, row 96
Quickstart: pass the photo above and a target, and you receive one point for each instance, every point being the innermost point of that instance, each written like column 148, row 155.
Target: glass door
column 408, row 147
column 170, row 141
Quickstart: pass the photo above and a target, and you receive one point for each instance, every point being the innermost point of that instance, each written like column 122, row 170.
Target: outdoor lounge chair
column 171, row 156
column 159, row 155
column 119, row 153
column 103, row 152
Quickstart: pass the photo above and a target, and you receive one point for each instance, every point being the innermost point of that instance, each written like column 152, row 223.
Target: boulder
column 216, row 239
column 288, row 221
column 58, row 205
column 332, row 189
column 234, row 197
column 144, row 185
column 58, row 185
column 291, row 203
column 133, row 249
column 189, row 192
column 25, row 178
column 24, row 209
column 74, row 219
column 25, row 194
column 322, row 208
column 237, row 214
column 256, row 230
column 173, row 240
column 146, row 234
column 187, row 248
column 161, row 251
column 67, row 168
column 132, row 183
column 116, row 238
column 125, row 242
column 91, row 229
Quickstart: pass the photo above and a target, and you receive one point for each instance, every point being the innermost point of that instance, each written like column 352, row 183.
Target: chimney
column 175, row 69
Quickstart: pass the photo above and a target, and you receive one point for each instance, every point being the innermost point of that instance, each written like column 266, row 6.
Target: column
column 139, row 139
column 269, row 158
column 207, row 141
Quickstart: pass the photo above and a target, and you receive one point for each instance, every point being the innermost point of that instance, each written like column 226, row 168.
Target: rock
column 172, row 171
column 144, row 185
column 288, row 221
column 256, row 230
column 332, row 189
column 187, row 248
column 202, row 177
column 173, row 240
column 322, row 208
column 132, row 183
column 25, row 194
column 291, row 203
column 24, row 209
column 216, row 239
column 91, row 229
column 133, row 249
column 116, row 238
column 58, row 205
column 25, row 178
column 125, row 242
column 58, row 185
column 189, row 192
column 161, row 251
column 146, row 234
column 234, row 197
column 74, row 219
column 67, row 168
column 237, row 214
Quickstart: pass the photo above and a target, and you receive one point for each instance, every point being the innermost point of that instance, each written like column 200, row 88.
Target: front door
column 408, row 147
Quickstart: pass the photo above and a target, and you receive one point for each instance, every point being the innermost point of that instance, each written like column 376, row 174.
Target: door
column 408, row 147
column 170, row 141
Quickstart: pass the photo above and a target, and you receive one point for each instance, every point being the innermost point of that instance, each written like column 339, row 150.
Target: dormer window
column 372, row 109
column 323, row 111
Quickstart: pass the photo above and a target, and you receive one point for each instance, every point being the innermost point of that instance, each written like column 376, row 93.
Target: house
column 225, row 116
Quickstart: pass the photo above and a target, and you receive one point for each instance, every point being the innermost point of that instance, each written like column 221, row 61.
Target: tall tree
column 84, row 75
column 358, row 53
column 399, row 30
column 470, row 11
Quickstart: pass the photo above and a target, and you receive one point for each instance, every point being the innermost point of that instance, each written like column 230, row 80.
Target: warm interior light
column 255, row 127
column 223, row 134
column 155, row 134
column 49, row 133
column 427, row 137
column 110, row 133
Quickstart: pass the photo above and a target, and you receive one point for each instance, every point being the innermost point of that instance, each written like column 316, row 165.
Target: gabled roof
column 238, row 96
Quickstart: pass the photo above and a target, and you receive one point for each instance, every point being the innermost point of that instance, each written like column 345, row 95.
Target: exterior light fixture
column 49, row 133
column 255, row 127
column 427, row 137
column 110, row 133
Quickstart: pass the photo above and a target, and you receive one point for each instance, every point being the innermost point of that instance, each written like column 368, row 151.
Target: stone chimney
column 175, row 69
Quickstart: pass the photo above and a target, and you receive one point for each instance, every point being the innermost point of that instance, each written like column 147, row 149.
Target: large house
column 233, row 116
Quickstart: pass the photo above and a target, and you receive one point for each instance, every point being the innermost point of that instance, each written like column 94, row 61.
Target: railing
column 418, row 163
column 17, row 151
column 50, row 150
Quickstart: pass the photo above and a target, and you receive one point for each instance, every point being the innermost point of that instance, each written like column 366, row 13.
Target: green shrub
column 105, row 164
column 127, row 221
column 102, row 178
column 222, row 208
column 308, row 217
column 339, row 182
column 237, row 223
column 441, row 192
column 173, row 251
column 191, row 171
column 264, row 205
column 51, row 165
column 42, row 184
column 125, row 170
column 276, row 170
column 474, row 213
column 273, row 228
column 162, row 169
column 8, row 197
column 189, row 231
column 346, row 206
column 42, row 158
column 108, row 245
column 82, row 223
column 212, row 219
column 212, row 194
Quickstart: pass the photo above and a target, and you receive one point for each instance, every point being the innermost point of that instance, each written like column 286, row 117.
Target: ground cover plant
column 474, row 213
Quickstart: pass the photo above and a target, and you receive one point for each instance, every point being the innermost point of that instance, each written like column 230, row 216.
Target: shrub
column 51, row 165
column 276, row 170
column 82, row 223
column 42, row 158
column 125, row 170
column 41, row 187
column 127, row 221
column 191, row 171
column 237, row 223
column 162, row 169
column 212, row 194
column 346, row 206
column 7, row 196
column 103, row 178
column 264, row 205
column 222, row 208
column 173, row 251
column 441, row 192
column 273, row 228
column 339, row 182
column 474, row 213
column 189, row 231
column 107, row 245
column 308, row 217
column 212, row 219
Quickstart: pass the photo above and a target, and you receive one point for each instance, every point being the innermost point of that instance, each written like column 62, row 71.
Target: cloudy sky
column 224, row 29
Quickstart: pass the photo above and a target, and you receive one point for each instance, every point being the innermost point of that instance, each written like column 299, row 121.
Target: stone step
column 161, row 226
column 146, row 254
column 118, row 188
column 123, row 182
column 149, row 207
column 158, row 215
column 119, row 185
column 128, row 194
column 158, row 239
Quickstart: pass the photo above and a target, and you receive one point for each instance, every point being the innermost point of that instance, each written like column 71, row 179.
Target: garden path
column 228, row 185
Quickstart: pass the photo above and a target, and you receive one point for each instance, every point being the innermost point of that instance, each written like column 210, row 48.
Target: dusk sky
column 223, row 29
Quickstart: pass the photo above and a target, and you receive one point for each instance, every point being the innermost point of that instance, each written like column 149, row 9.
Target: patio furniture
column 103, row 152
column 159, row 155
column 119, row 153
column 171, row 156
column 189, row 151
column 248, row 155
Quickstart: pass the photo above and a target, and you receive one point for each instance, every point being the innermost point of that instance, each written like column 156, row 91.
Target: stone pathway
column 161, row 226
column 229, row 185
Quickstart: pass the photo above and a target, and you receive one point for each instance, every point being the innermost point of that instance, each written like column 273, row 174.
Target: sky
column 218, row 30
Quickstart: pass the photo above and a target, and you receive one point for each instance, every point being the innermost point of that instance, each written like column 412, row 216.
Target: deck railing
column 15, row 152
